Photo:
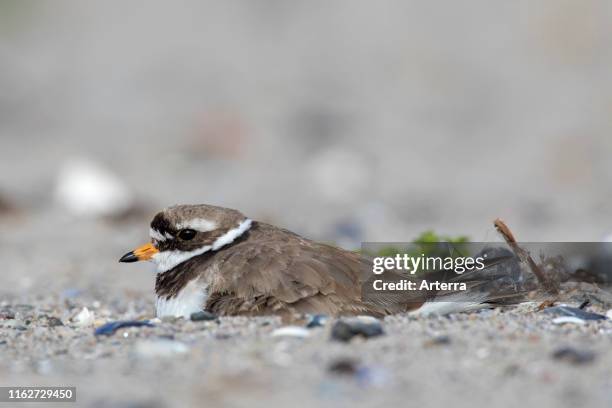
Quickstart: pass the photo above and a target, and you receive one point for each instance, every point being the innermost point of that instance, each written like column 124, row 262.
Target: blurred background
column 345, row 121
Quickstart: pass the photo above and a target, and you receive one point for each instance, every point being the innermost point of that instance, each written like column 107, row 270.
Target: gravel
column 500, row 357
column 60, row 270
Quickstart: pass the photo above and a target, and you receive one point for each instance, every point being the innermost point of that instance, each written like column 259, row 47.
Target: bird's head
column 182, row 232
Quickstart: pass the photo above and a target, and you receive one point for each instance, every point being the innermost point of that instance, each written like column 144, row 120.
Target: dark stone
column 6, row 315
column 437, row 341
column 53, row 321
column 574, row 312
column 345, row 330
column 573, row 355
column 110, row 328
column 343, row 366
column 203, row 315
column 318, row 320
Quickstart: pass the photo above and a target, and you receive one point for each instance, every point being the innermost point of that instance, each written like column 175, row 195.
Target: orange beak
column 142, row 253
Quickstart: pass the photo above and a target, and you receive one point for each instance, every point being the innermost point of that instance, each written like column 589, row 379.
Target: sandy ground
column 499, row 358
column 496, row 358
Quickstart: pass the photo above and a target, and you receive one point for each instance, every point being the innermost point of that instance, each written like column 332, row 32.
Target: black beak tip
column 129, row 257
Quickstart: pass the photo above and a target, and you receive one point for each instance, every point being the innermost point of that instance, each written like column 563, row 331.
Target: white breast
column 190, row 299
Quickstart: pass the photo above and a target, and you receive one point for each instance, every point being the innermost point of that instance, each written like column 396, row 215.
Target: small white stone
column 85, row 318
column 366, row 319
column 87, row 189
column 291, row 331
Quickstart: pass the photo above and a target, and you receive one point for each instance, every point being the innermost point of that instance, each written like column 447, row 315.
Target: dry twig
column 525, row 257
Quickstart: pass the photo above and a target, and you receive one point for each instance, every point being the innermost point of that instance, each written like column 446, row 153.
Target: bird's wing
column 296, row 274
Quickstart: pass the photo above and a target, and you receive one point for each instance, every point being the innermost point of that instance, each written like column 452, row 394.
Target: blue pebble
column 111, row 327
column 318, row 320
column 574, row 312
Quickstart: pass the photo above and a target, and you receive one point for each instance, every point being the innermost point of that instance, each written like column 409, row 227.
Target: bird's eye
column 187, row 234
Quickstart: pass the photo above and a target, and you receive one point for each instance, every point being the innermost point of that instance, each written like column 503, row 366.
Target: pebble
column 87, row 189
column 203, row 316
column 345, row 329
column 574, row 312
column 363, row 375
column 53, row 321
column 573, row 355
column 110, row 328
column 437, row 341
column 291, row 331
column 343, row 366
column 318, row 320
column 85, row 318
column 6, row 315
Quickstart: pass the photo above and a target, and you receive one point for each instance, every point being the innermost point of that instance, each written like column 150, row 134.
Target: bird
column 216, row 259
